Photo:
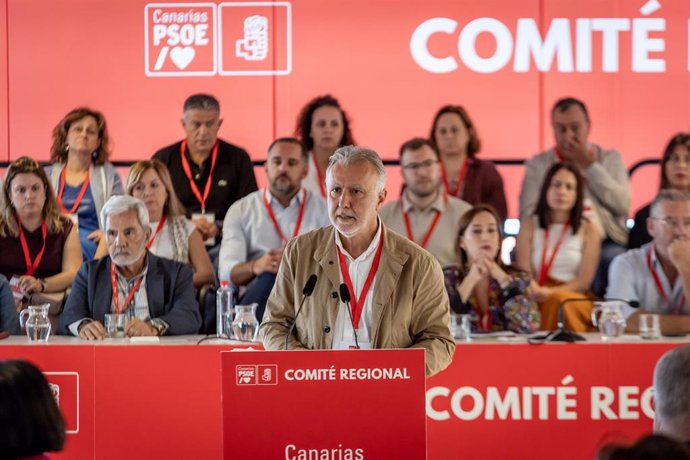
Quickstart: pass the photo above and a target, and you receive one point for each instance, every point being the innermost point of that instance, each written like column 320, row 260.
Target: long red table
column 497, row 400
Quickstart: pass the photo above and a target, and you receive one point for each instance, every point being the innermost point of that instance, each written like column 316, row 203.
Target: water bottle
column 225, row 308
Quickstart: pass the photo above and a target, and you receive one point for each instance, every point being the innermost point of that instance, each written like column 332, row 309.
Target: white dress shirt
column 249, row 232
column 343, row 337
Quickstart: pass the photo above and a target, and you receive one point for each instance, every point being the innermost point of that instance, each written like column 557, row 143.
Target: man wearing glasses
column 658, row 273
column 424, row 213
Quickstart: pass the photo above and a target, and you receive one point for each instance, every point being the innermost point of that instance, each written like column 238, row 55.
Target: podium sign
column 335, row 404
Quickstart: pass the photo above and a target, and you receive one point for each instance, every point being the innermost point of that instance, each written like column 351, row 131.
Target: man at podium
column 373, row 288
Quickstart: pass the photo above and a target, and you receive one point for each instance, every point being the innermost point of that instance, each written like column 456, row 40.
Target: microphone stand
column 561, row 334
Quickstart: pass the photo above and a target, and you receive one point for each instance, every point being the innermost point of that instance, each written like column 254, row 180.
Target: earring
column 94, row 155
column 66, row 148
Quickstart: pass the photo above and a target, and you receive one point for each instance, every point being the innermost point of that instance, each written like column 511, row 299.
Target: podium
column 335, row 404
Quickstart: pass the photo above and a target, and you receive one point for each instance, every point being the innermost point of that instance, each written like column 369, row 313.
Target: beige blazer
column 410, row 307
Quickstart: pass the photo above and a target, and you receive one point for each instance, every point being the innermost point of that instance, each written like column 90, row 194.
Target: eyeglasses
column 417, row 166
column 673, row 222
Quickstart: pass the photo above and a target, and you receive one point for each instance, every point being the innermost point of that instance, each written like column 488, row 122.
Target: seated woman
column 323, row 126
column 560, row 248
column 675, row 174
column 464, row 175
column 81, row 175
column 494, row 294
column 173, row 236
column 39, row 246
column 30, row 420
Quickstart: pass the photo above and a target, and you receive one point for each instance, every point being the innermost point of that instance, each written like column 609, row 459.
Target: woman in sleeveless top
column 560, row 248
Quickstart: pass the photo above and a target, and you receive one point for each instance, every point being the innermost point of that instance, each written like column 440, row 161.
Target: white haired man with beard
column 156, row 294
column 672, row 395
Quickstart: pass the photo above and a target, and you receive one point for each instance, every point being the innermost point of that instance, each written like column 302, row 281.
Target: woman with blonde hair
column 39, row 246
column 81, row 176
column 173, row 236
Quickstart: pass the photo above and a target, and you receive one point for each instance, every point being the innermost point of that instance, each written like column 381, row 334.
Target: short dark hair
column 542, row 211
column 201, row 102
column 30, row 420
column 417, row 143
column 290, row 140
column 679, row 139
column 303, row 128
column 474, row 144
column 565, row 103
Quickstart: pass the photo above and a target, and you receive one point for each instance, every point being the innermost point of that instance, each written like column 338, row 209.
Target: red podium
column 345, row 405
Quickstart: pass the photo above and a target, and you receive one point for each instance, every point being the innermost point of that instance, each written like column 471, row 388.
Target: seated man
column 658, row 273
column 257, row 227
column 397, row 293
column 9, row 319
column 425, row 213
column 157, row 294
column 672, row 394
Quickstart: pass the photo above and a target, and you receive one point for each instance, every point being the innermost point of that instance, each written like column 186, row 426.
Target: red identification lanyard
column 188, row 171
column 319, row 176
column 484, row 319
column 357, row 302
column 546, row 266
column 32, row 266
column 116, row 298
column 676, row 309
column 430, row 230
column 461, row 178
column 298, row 224
column 161, row 224
column 77, row 201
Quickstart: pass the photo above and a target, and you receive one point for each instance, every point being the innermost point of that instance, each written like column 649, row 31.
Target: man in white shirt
column 658, row 273
column 396, row 290
column 424, row 212
column 257, row 227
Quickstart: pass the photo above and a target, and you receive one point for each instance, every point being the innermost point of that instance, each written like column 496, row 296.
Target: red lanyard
column 546, row 266
column 357, row 302
column 298, row 224
column 32, row 266
column 116, row 298
column 188, row 171
column 461, row 178
column 676, row 309
column 161, row 224
column 484, row 321
column 319, row 176
column 430, row 230
column 77, row 201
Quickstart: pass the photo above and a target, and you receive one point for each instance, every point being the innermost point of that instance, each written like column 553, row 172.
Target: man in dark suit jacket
column 155, row 294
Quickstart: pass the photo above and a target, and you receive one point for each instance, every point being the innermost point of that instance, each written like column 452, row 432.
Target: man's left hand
column 679, row 253
column 139, row 328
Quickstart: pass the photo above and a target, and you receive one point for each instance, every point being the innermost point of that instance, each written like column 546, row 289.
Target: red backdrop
column 629, row 66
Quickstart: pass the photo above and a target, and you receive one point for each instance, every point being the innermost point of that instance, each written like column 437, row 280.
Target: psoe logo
column 260, row 374
column 65, row 389
column 205, row 39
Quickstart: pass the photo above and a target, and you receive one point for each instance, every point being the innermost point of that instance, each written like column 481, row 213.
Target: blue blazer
column 169, row 290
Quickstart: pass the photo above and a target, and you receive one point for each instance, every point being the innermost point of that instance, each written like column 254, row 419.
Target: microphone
column 306, row 292
column 631, row 302
column 561, row 334
column 345, row 297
